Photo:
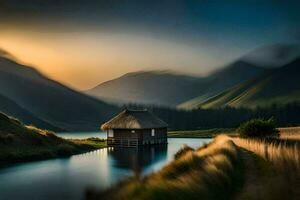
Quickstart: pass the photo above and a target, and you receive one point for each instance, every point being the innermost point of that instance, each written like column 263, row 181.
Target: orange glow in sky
column 83, row 60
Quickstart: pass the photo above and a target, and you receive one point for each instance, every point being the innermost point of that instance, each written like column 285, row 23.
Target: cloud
column 273, row 55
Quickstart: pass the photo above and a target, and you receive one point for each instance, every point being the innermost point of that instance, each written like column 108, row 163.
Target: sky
column 83, row 43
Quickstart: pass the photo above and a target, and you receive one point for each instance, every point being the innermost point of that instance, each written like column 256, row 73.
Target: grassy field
column 209, row 133
column 20, row 143
column 290, row 133
column 274, row 168
column 226, row 168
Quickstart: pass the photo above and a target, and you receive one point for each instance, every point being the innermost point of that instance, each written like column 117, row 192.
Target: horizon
column 101, row 41
column 219, row 80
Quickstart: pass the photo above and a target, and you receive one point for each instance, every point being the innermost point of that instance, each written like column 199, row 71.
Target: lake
column 68, row 178
column 82, row 135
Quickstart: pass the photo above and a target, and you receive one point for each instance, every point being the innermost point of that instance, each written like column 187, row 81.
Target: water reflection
column 67, row 178
column 137, row 159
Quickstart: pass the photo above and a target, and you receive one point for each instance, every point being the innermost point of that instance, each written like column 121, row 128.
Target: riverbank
column 209, row 133
column 20, row 143
column 226, row 168
column 290, row 133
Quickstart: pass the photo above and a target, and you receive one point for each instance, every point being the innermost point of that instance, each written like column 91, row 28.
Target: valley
column 149, row 100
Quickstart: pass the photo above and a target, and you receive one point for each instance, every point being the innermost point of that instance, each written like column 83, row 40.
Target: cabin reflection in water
column 138, row 159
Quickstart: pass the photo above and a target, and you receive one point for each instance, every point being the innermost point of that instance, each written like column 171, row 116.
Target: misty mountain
column 170, row 89
column 10, row 107
column 49, row 102
column 222, row 80
column 275, row 55
column 276, row 86
column 147, row 87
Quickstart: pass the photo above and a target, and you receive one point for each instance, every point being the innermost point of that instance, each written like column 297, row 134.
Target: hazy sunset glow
column 109, row 99
column 102, row 41
column 83, row 60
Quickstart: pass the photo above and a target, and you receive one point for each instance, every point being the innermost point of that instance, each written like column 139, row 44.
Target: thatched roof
column 134, row 119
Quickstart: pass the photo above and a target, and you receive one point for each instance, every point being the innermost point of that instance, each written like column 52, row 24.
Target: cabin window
column 132, row 131
column 152, row 132
column 110, row 133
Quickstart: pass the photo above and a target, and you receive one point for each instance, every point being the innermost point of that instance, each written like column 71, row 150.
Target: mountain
column 11, row 108
column 275, row 55
column 222, row 80
column 276, row 86
column 170, row 89
column 147, row 87
column 49, row 102
column 247, row 67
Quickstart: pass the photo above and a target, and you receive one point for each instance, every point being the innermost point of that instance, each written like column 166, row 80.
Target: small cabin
column 133, row 128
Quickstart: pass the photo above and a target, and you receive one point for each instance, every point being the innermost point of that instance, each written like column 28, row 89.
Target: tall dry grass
column 283, row 156
column 211, row 172
column 279, row 177
column 290, row 133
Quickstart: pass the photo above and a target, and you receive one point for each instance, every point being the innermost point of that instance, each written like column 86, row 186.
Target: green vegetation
column 95, row 143
column 227, row 117
column 24, row 143
column 278, row 86
column 258, row 128
column 236, row 96
column 210, row 133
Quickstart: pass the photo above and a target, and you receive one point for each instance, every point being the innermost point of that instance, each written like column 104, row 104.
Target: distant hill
column 276, row 86
column 187, row 92
column 51, row 104
column 247, row 67
column 147, row 87
column 10, row 107
column 170, row 89
column 275, row 55
column 222, row 80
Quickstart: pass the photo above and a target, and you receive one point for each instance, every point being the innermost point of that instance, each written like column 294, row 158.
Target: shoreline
column 79, row 146
column 205, row 134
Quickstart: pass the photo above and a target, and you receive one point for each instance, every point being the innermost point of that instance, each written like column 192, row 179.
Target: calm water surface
column 67, row 178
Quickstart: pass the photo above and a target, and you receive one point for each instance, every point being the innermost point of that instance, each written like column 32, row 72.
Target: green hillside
column 23, row 143
column 277, row 86
column 171, row 89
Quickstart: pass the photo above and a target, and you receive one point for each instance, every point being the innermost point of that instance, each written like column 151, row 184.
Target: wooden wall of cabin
column 126, row 133
column 143, row 136
column 123, row 137
column 160, row 134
